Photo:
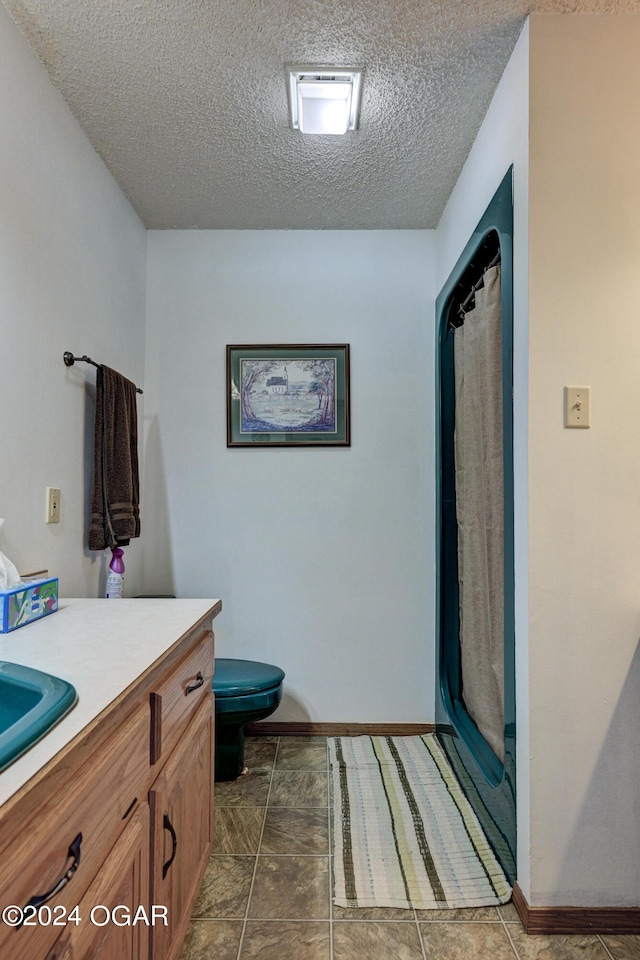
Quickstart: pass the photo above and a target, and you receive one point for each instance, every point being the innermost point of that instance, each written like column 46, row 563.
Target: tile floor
column 266, row 894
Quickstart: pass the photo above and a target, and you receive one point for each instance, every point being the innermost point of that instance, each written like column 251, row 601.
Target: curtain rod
column 69, row 361
column 480, row 282
column 461, row 308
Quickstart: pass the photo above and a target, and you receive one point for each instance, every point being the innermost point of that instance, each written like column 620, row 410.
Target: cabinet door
column 182, row 830
column 113, row 917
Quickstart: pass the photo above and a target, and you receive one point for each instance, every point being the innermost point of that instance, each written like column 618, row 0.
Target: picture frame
column 288, row 395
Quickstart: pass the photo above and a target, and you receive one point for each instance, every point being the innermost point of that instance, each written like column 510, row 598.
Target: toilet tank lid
column 236, row 677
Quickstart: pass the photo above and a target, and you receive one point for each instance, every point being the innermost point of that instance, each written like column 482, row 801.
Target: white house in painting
column 278, row 384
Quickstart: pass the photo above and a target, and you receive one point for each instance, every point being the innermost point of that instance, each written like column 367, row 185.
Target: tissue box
column 23, row 604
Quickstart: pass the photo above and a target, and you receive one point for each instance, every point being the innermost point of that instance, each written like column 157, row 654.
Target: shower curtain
column 480, row 510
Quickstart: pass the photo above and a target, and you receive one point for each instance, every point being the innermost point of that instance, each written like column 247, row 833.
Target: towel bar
column 69, row 361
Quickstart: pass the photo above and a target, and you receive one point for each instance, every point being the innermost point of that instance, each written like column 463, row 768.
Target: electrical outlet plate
column 577, row 407
column 53, row 505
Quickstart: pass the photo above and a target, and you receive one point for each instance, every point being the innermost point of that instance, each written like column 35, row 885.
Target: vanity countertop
column 100, row 646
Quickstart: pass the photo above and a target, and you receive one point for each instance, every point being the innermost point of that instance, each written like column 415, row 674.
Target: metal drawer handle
column 196, row 685
column 166, row 823
column 74, row 851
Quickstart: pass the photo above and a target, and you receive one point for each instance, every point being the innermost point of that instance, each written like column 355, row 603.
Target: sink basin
column 31, row 703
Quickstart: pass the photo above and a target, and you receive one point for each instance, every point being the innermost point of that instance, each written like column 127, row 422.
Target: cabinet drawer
column 72, row 835
column 178, row 696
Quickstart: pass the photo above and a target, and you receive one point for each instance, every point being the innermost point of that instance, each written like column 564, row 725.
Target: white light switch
column 577, row 407
column 53, row 505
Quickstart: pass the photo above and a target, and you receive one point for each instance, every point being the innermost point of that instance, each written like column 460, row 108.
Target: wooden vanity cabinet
column 138, row 788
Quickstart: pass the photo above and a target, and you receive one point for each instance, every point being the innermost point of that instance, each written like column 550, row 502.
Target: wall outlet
column 53, row 505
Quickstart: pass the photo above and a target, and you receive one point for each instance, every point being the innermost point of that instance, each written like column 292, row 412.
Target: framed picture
column 290, row 394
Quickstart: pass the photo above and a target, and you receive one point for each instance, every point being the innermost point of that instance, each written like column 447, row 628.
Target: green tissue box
column 28, row 602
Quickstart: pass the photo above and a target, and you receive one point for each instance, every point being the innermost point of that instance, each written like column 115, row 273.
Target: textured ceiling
column 186, row 102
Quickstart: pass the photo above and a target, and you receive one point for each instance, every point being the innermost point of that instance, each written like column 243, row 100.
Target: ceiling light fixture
column 324, row 99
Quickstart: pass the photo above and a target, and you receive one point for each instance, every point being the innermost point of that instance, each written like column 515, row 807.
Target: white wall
column 72, row 277
column 584, row 485
column 323, row 558
column 503, row 140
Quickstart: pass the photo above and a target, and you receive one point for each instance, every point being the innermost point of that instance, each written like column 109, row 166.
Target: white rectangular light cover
column 324, row 101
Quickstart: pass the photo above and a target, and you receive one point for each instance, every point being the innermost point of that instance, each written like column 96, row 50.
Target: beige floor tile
column 279, row 939
column 373, row 913
column 287, row 888
column 623, row 948
column 296, row 830
column 225, row 888
column 304, row 738
column 466, row 941
column 509, row 913
column 288, row 902
column 376, row 941
column 259, row 755
column 250, row 790
column 237, row 829
column 461, row 915
column 212, row 938
column 300, row 789
column 301, row 756
column 557, row 947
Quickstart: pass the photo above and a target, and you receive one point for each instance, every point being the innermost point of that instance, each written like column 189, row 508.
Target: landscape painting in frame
column 288, row 395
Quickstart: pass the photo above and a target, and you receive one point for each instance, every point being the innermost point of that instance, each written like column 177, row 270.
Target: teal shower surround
column 489, row 783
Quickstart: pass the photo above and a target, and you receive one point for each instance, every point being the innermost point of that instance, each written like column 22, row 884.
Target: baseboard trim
column 554, row 920
column 309, row 729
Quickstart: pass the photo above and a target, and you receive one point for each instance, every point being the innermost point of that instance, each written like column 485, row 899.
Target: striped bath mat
column 404, row 833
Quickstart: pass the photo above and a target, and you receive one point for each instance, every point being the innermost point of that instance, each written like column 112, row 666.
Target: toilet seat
column 240, row 678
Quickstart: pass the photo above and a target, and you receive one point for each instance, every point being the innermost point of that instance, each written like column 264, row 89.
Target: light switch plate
column 577, row 407
column 53, row 505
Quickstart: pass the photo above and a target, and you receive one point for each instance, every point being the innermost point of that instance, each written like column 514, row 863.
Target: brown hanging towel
column 115, row 493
